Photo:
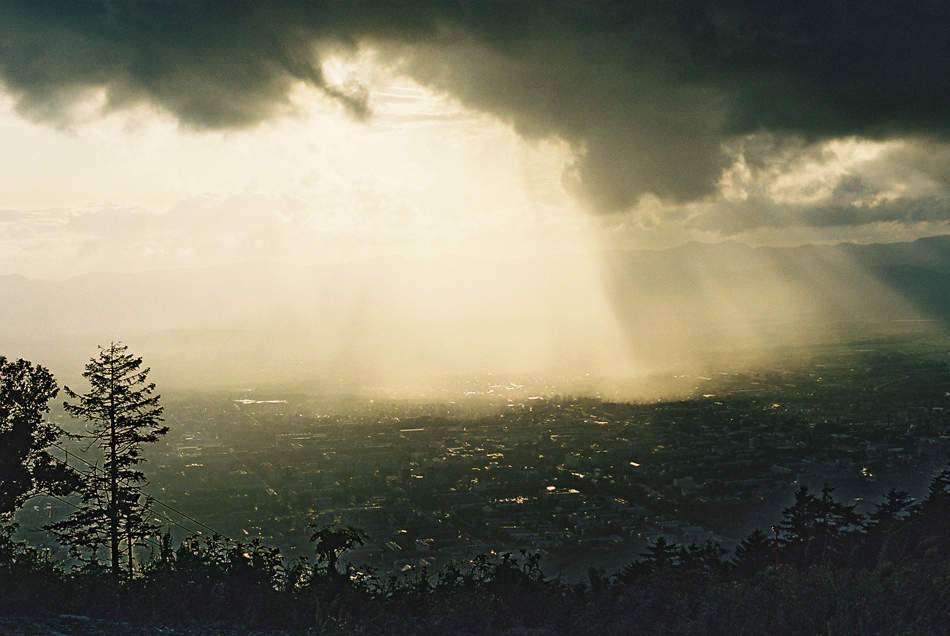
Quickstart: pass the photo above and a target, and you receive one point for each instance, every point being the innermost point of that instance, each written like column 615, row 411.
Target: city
column 588, row 482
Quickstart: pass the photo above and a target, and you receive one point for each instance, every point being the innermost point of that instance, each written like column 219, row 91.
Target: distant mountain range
column 462, row 314
column 729, row 284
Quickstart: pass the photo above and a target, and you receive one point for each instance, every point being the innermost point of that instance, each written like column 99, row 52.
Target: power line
column 69, row 503
column 185, row 528
column 155, row 500
column 68, row 454
column 192, row 519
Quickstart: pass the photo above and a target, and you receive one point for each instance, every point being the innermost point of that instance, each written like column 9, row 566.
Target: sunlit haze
column 415, row 212
column 436, row 317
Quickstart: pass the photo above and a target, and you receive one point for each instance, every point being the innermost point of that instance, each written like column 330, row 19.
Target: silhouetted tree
column 705, row 558
column 888, row 535
column 932, row 520
column 755, row 553
column 660, row 556
column 817, row 530
column 26, row 466
column 332, row 542
column 897, row 506
column 122, row 412
column 662, row 553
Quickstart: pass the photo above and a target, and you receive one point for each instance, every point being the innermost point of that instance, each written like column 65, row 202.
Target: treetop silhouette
column 122, row 412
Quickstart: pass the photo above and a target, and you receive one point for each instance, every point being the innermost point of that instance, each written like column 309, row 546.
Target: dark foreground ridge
column 78, row 625
column 823, row 568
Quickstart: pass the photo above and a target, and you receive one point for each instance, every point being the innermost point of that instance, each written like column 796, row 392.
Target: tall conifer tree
column 122, row 412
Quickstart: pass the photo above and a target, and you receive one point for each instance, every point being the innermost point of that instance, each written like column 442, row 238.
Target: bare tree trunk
column 129, row 541
column 114, row 476
column 114, row 497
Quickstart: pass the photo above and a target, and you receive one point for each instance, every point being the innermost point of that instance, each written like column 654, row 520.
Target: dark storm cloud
column 211, row 64
column 647, row 91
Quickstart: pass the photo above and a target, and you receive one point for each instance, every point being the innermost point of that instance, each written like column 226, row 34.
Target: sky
column 166, row 134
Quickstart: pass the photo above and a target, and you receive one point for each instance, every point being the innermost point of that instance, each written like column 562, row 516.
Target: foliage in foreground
column 824, row 569
column 26, row 466
column 222, row 582
column 122, row 412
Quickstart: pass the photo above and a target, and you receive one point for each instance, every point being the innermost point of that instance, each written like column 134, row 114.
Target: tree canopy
column 27, row 466
column 122, row 412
